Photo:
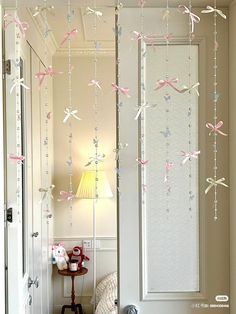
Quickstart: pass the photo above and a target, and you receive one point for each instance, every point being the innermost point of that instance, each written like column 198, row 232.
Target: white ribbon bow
column 18, row 82
column 94, row 83
column 210, row 9
column 91, row 11
column 39, row 9
column 213, row 182
column 47, row 191
column 96, row 159
column 117, row 150
column 141, row 108
column 192, row 87
column 69, row 114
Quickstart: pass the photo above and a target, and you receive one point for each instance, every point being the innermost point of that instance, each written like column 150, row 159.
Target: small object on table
column 73, row 265
column 78, row 254
column 74, row 307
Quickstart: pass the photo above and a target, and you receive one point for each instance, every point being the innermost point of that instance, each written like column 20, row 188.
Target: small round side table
column 73, row 306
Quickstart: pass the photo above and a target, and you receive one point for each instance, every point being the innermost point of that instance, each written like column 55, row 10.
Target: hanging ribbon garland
column 141, row 111
column 47, row 188
column 192, row 19
column 70, row 113
column 18, row 87
column 119, row 90
column 215, row 182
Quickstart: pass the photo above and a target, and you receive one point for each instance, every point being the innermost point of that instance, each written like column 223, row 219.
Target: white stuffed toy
column 59, row 256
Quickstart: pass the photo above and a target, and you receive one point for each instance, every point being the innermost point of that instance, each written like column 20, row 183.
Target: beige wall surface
column 82, row 147
column 232, row 142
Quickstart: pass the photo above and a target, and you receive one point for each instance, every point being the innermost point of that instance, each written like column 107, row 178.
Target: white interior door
column 19, row 226
column 173, row 259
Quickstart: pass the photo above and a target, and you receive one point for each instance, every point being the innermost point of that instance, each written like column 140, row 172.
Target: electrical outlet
column 87, row 244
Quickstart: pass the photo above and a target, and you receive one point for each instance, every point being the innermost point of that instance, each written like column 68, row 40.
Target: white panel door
column 19, row 227
column 143, row 274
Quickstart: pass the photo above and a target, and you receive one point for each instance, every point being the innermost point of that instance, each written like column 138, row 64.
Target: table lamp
column 87, row 190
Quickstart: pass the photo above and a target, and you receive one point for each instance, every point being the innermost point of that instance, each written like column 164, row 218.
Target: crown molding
column 40, row 26
column 80, row 52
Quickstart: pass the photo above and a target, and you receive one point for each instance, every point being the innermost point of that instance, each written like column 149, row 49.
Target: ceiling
column 84, row 42
column 87, row 35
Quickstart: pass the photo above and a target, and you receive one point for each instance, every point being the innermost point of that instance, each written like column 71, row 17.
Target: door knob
column 35, row 234
column 33, row 282
column 49, row 216
column 131, row 309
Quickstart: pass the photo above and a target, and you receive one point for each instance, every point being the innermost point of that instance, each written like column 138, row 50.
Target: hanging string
column 189, row 113
column 70, row 135
column 167, row 98
column 119, row 145
column 142, row 161
column 96, row 146
column 215, row 182
column 96, row 126
column 19, row 147
column 47, row 190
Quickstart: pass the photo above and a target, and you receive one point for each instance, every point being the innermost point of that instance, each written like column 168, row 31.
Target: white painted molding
column 39, row 24
column 58, row 51
column 74, row 238
column 110, row 246
column 84, row 52
column 156, row 296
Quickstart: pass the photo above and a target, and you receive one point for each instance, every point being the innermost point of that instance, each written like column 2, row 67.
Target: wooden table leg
column 80, row 308
column 65, row 307
column 73, row 293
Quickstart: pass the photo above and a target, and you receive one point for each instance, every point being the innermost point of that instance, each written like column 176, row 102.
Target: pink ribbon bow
column 69, row 35
column 189, row 155
column 16, row 159
column 23, row 26
column 122, row 90
column 216, row 128
column 55, row 246
column 193, row 17
column 168, row 167
column 162, row 83
column 142, row 162
column 49, row 72
column 141, row 3
column 66, row 196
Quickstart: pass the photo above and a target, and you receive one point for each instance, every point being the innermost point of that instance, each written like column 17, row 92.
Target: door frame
column 2, row 181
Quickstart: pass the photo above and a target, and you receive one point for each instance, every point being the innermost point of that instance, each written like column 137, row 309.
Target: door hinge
column 6, row 67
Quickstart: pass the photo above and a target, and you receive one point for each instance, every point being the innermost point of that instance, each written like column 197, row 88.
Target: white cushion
column 109, row 279
column 106, row 294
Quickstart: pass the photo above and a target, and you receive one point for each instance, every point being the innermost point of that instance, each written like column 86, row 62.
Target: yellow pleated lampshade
column 87, row 185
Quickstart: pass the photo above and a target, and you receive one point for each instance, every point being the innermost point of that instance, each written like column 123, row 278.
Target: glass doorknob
column 131, row 309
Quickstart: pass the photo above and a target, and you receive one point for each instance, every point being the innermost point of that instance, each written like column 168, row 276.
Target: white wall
column 232, row 127
column 83, row 148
